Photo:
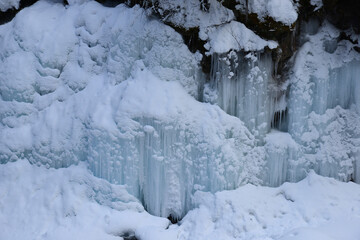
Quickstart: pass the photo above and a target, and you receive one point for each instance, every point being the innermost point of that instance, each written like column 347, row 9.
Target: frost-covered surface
column 315, row 208
column 110, row 87
column 234, row 36
column 320, row 112
column 216, row 25
column 70, row 203
column 284, row 11
column 194, row 13
column 324, row 105
column 117, row 89
column 8, row 4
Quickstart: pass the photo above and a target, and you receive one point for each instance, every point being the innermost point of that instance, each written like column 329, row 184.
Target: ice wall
column 113, row 88
column 324, row 105
column 317, row 107
column 119, row 90
column 244, row 87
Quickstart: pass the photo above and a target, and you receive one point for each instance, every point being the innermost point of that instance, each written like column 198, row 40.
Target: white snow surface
column 314, row 208
column 284, row 11
column 8, row 4
column 70, row 203
column 191, row 13
column 67, row 203
column 234, row 36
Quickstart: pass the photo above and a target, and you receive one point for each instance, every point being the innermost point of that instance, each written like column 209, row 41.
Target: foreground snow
column 70, row 203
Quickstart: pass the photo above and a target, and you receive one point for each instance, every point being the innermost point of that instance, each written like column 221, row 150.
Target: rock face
column 343, row 14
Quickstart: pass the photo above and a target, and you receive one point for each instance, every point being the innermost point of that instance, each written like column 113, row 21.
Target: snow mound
column 68, row 203
column 234, row 36
column 8, row 4
column 284, row 11
column 315, row 208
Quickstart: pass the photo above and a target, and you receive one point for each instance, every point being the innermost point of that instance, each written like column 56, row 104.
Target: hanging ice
column 112, row 92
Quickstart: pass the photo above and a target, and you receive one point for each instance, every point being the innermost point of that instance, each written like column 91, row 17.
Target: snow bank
column 70, row 203
column 234, row 36
column 8, row 4
column 315, row 208
column 284, row 11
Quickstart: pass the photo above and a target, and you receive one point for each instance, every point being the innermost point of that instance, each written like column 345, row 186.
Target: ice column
column 243, row 85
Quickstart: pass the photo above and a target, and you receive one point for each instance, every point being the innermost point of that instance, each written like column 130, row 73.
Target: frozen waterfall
column 120, row 91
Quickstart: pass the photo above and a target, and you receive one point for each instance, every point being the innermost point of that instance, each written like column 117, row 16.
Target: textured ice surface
column 245, row 88
column 324, row 105
column 118, row 90
column 320, row 111
column 111, row 87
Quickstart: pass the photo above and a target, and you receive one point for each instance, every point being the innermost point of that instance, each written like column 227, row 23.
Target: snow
column 190, row 13
column 119, row 91
column 216, row 25
column 68, row 203
column 284, row 11
column 315, row 208
column 115, row 89
column 234, row 36
column 8, row 4
column 317, row 4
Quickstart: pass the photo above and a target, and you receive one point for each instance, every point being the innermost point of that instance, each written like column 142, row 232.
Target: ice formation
column 120, row 90
column 103, row 85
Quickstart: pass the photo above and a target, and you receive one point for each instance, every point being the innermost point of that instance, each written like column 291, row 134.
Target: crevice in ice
column 173, row 219
column 129, row 235
column 243, row 86
column 280, row 120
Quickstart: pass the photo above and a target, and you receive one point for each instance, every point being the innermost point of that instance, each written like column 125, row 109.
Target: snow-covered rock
column 284, row 11
column 8, row 4
column 315, row 208
column 234, row 36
